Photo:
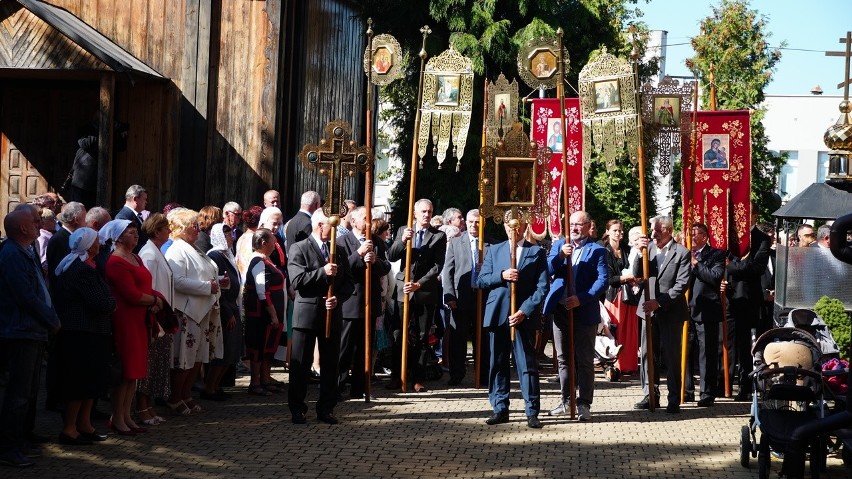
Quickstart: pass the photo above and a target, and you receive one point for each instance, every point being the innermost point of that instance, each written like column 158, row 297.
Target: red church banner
column 717, row 181
column 547, row 131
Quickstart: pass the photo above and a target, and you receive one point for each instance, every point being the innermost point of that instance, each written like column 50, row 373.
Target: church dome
column 839, row 135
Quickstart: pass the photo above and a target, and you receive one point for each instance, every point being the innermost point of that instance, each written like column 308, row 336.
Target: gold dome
column 839, row 135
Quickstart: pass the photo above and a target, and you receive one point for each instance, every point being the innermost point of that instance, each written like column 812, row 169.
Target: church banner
column 717, row 183
column 547, row 131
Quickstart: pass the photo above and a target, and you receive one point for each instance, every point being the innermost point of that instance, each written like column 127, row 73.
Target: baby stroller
column 606, row 348
column 787, row 384
column 808, row 320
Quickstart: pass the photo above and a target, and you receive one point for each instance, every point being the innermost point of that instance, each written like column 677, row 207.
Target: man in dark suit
column 135, row 200
column 531, row 286
column 670, row 264
column 424, row 288
column 359, row 251
column 458, row 279
column 299, row 226
column 72, row 216
column 310, row 274
column 590, row 276
column 705, row 310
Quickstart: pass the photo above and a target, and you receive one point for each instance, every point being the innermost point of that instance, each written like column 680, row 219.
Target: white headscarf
column 112, row 231
column 80, row 241
column 220, row 244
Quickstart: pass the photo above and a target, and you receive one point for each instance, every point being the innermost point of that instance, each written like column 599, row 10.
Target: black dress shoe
column 93, row 436
column 498, row 418
column 673, row 408
column 67, row 440
column 327, row 418
column 299, row 418
column 689, row 397
column 645, row 403
column 534, row 423
column 706, row 402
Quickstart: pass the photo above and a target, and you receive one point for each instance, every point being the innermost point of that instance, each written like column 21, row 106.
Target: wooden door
column 21, row 181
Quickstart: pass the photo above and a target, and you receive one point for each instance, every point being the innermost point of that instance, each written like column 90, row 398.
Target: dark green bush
column 832, row 312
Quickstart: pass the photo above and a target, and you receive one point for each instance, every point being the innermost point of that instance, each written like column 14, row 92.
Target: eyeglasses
column 579, row 225
column 237, row 213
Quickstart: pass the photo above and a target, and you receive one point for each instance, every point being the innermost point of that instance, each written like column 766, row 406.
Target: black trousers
column 352, row 346
column 419, row 323
column 301, row 359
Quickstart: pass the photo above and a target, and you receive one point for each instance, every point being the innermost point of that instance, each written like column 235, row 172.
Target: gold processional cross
column 337, row 157
column 847, row 80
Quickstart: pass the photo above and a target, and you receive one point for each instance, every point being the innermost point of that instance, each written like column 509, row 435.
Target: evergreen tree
column 733, row 45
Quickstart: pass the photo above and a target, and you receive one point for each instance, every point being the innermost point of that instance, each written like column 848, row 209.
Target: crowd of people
column 149, row 305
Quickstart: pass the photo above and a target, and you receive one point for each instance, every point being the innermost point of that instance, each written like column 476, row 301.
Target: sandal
column 147, row 418
column 258, row 390
column 179, row 408
column 193, row 406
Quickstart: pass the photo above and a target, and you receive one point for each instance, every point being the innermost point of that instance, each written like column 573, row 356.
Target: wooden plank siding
column 250, row 82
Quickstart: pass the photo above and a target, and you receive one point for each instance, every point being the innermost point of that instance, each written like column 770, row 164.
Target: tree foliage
column 490, row 32
column 733, row 47
column 831, row 311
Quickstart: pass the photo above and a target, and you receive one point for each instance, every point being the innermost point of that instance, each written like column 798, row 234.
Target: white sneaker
column 583, row 412
column 561, row 409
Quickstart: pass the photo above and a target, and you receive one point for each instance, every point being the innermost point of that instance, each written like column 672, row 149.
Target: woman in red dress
column 130, row 283
column 619, row 307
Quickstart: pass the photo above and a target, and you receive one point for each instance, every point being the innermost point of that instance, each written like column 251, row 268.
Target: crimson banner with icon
column 546, row 131
column 717, row 179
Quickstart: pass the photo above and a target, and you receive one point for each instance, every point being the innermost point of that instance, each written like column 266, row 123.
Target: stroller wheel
column 745, row 446
column 763, row 458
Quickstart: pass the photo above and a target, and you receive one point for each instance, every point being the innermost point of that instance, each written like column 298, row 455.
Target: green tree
column 832, row 312
column 733, row 46
column 490, row 32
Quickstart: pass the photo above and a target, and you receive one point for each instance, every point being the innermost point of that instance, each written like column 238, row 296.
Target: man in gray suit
column 428, row 250
column 310, row 274
column 458, row 279
column 670, row 264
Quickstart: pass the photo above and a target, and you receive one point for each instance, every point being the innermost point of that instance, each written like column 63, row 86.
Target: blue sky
column 804, row 25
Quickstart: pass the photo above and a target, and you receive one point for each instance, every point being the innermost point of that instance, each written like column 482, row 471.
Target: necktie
column 141, row 219
column 474, row 258
column 325, row 251
column 419, row 241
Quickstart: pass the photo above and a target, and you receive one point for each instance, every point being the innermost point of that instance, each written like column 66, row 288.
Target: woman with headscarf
column 157, row 383
column 196, row 300
column 130, row 282
column 265, row 308
column 229, row 312
column 83, row 345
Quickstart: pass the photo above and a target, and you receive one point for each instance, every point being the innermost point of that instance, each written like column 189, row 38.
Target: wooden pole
column 411, row 192
column 688, row 195
column 333, row 221
column 480, row 246
column 724, row 303
column 646, row 263
column 105, row 135
column 566, row 209
column 513, row 261
column 368, row 220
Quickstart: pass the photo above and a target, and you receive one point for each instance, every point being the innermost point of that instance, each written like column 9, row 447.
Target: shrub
column 832, row 312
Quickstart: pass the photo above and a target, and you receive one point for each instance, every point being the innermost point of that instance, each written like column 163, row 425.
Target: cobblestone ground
column 437, row 434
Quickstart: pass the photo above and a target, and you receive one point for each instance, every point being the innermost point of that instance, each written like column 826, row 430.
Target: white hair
column 318, row 217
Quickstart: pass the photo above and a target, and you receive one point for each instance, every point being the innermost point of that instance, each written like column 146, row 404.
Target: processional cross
column 337, row 158
column 847, row 80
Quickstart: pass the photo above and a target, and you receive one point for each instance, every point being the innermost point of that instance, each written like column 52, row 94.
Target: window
column 787, row 184
column 822, row 166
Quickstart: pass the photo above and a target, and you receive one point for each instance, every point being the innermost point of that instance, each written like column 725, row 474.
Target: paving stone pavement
column 437, row 434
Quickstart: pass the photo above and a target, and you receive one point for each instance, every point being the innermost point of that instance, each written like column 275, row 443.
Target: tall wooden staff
column 513, row 261
column 411, row 192
column 643, row 209
column 368, row 219
column 480, row 247
column 566, row 207
column 333, row 221
column 724, row 302
column 686, row 222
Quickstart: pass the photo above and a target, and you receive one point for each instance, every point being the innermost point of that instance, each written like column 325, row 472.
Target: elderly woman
column 158, row 383
column 130, row 283
column 83, row 344
column 264, row 305
column 229, row 311
column 251, row 220
column 207, row 217
column 196, row 300
column 272, row 219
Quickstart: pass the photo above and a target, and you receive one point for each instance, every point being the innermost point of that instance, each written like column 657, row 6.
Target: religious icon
column 502, row 102
column 515, row 180
column 543, row 64
column 382, row 60
column 447, row 93
column 607, row 96
column 554, row 134
column 716, row 149
column 667, row 110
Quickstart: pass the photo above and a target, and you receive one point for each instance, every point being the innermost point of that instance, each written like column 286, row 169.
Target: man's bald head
column 22, row 225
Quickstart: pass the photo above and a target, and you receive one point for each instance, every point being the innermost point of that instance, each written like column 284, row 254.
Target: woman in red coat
column 130, row 282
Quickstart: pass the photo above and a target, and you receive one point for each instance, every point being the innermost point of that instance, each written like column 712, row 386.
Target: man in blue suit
column 530, row 278
column 590, row 277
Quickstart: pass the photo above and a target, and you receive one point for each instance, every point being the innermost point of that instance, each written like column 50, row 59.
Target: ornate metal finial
column 559, row 32
column 370, row 26
column 425, row 31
